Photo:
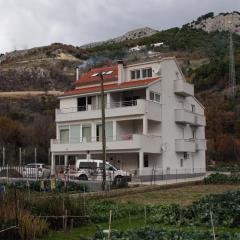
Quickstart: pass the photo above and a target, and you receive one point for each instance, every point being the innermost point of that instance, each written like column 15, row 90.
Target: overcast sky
column 30, row 23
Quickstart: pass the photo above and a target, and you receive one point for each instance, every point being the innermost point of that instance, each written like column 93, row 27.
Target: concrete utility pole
column 4, row 155
column 103, row 133
column 232, row 73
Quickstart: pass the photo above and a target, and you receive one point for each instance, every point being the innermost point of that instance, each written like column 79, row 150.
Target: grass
column 180, row 195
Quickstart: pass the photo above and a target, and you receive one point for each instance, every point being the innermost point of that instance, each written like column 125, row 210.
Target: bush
column 218, row 178
column 36, row 186
column 149, row 233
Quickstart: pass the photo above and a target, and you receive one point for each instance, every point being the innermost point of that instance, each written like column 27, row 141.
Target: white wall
column 68, row 103
column 154, row 128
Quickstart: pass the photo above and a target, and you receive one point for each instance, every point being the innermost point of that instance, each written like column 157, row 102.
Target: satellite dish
column 165, row 147
column 157, row 70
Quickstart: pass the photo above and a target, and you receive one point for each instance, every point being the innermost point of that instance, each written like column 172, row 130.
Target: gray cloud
column 29, row 23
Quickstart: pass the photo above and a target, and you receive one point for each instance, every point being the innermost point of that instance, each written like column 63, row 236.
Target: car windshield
column 107, row 166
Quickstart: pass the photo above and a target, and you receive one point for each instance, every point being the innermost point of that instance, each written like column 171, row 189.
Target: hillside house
column 153, row 121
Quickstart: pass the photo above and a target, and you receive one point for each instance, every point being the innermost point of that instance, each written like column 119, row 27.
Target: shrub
column 218, row 178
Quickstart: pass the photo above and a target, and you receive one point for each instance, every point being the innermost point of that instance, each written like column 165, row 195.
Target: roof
column 91, row 77
column 114, row 86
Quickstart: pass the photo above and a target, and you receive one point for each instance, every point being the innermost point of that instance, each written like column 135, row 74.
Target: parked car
column 36, row 170
column 91, row 169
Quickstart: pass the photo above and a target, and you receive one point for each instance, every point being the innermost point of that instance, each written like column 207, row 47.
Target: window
column 145, row 162
column 186, row 155
column 194, row 133
column 193, row 108
column 135, row 74
column 74, row 133
column 82, row 104
column 86, row 133
column 87, row 165
column 108, row 129
column 154, row 96
column 64, row 135
column 181, row 162
column 89, row 100
column 108, row 167
column 157, row 97
column 146, row 73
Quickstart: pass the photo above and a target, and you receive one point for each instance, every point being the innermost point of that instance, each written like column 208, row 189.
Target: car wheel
column 83, row 177
column 118, row 179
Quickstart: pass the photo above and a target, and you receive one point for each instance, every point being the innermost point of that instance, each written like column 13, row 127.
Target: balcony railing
column 113, row 109
column 185, row 116
column 148, row 143
column 183, row 88
column 93, row 139
column 190, row 145
column 97, row 107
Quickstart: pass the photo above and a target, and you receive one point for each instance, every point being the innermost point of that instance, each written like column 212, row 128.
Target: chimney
column 120, row 72
column 77, row 73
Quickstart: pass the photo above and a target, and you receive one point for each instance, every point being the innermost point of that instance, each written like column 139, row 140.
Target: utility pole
column 232, row 73
column 20, row 157
column 103, row 133
column 4, row 155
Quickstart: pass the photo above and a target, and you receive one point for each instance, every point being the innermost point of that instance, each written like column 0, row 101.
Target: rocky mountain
column 221, row 22
column 50, row 67
column 131, row 35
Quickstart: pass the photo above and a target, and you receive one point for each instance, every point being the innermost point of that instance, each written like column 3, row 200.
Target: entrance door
column 82, row 105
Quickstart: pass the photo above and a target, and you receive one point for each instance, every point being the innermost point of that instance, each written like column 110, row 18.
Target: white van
column 91, row 169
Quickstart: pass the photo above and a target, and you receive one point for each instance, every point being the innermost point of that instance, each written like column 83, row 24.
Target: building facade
column 154, row 124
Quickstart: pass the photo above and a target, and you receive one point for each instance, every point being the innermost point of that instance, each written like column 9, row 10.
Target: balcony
column 183, row 88
column 114, row 109
column 184, row 116
column 151, row 144
column 190, row 145
column 185, row 145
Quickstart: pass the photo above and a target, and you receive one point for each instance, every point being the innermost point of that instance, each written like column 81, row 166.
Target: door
column 82, row 105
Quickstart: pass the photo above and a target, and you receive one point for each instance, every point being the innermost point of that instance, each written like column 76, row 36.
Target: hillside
column 203, row 57
column 44, row 68
column 221, row 22
column 131, row 35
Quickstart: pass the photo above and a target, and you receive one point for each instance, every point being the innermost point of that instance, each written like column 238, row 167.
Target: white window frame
column 135, row 74
column 147, row 76
column 154, row 96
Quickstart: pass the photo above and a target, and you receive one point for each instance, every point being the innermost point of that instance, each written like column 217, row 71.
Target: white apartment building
column 153, row 121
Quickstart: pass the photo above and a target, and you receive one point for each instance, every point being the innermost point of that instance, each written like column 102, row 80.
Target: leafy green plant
column 218, row 178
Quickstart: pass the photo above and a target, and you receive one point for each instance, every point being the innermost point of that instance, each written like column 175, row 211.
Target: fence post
column 110, row 223
column 145, row 215
column 214, row 236
column 20, row 157
column 129, row 218
column 72, row 224
column 65, row 223
column 176, row 175
column 7, row 174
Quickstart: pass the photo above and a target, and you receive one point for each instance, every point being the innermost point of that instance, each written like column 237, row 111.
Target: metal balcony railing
column 97, row 107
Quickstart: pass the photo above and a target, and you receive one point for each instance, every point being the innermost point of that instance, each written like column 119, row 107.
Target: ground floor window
column 146, row 162
column 181, row 162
